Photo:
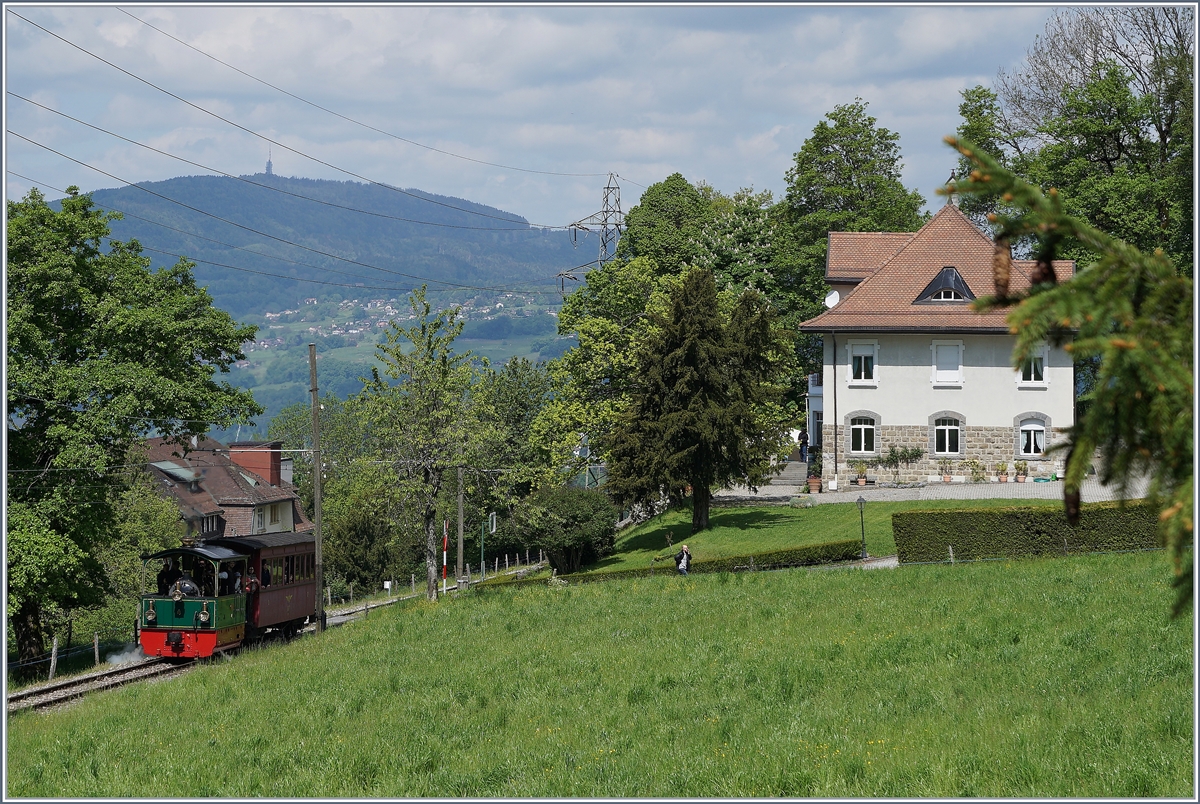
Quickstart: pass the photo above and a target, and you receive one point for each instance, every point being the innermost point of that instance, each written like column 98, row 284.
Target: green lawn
column 743, row 531
column 1055, row 677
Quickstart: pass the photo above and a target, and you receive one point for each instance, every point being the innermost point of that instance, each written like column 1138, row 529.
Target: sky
column 724, row 95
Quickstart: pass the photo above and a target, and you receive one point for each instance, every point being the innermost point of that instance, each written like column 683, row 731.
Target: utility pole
column 316, row 435
column 459, row 565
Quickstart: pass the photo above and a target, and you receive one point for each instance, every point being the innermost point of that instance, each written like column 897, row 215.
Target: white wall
column 904, row 394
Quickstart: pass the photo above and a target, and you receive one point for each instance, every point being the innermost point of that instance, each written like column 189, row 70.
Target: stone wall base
column 988, row 445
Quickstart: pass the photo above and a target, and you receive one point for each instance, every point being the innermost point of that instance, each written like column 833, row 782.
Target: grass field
column 743, row 531
column 1052, row 677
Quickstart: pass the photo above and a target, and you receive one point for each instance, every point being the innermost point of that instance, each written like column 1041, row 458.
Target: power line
column 262, row 137
column 509, row 288
column 351, row 119
column 267, row 186
column 249, row 229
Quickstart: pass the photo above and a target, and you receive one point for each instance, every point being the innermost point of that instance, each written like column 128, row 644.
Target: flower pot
column 1020, row 478
column 862, row 481
column 814, row 485
column 945, row 478
column 1003, row 478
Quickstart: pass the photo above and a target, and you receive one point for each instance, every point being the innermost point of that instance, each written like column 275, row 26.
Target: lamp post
column 862, row 524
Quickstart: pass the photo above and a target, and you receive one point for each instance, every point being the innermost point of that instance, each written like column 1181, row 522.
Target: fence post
column 526, row 555
column 352, row 591
column 413, row 579
column 506, row 562
column 468, row 575
column 951, row 554
column 53, row 659
column 328, row 597
column 497, row 570
column 96, row 645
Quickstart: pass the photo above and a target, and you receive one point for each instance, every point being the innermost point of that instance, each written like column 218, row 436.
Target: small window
column 862, row 435
column 1033, row 437
column 947, row 362
column 946, row 433
column 259, row 519
column 1034, row 370
column 275, row 513
column 864, row 363
column 947, row 295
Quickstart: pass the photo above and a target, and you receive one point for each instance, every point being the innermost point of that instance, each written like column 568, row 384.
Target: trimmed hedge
column 926, row 536
column 827, row 553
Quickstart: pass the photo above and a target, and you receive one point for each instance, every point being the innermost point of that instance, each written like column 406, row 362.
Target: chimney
column 260, row 457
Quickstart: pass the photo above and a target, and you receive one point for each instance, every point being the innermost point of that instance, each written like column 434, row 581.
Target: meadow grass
column 1047, row 677
column 744, row 531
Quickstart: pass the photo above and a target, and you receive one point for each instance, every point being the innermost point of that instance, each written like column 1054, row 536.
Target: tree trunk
column 27, row 627
column 433, row 480
column 700, row 499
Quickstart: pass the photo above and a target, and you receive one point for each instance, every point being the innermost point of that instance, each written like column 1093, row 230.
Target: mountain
column 489, row 249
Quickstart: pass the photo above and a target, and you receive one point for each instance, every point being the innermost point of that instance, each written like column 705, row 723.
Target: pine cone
column 1044, row 270
column 1001, row 267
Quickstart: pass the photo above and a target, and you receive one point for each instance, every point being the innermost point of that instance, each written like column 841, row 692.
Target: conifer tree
column 701, row 415
column 1130, row 311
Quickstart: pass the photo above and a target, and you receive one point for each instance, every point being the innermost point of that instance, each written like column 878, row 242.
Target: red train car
column 284, row 565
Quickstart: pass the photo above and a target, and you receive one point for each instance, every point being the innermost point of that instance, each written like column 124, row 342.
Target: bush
column 573, row 526
column 807, row 555
column 1019, row 532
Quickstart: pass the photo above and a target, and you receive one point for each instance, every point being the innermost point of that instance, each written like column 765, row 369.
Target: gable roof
column 853, row 256
column 204, row 481
column 886, row 300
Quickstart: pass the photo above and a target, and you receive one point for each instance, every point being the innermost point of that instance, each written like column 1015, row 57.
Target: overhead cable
column 245, row 180
column 351, row 119
column 262, row 137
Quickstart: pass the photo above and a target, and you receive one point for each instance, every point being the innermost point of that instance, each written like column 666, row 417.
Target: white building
column 907, row 363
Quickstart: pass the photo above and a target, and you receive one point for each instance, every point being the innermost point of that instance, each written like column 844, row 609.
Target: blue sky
column 721, row 94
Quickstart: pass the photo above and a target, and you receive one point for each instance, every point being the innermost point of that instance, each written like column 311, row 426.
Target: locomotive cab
column 197, row 606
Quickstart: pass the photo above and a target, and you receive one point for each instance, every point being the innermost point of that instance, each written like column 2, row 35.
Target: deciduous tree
column 102, row 352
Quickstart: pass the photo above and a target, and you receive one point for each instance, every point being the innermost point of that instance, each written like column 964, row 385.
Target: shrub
column 573, row 526
column 900, row 456
column 807, row 555
column 1018, row 532
column 976, row 468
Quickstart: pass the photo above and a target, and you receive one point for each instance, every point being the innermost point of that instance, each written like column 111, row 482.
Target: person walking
column 683, row 560
column 803, row 441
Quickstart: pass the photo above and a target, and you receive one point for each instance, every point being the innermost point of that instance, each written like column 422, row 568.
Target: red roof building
column 908, row 363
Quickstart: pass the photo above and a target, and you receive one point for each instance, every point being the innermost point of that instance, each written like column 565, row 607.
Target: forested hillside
column 489, row 248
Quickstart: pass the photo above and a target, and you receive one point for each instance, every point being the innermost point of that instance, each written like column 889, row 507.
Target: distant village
column 358, row 317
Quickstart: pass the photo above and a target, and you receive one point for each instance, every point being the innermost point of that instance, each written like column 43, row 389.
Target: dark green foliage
column 923, row 536
column 666, row 225
column 102, row 352
column 697, row 418
column 808, row 555
column 573, row 526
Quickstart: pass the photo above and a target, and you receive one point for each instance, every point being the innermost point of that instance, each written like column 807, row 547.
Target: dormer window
column 947, row 286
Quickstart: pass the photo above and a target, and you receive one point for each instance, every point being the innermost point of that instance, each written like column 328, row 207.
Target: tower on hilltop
column 270, row 172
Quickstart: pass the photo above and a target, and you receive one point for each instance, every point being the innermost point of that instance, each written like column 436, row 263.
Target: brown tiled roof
column 854, row 256
column 223, row 487
column 884, row 300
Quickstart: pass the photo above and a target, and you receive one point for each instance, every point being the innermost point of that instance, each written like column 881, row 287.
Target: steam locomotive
column 217, row 595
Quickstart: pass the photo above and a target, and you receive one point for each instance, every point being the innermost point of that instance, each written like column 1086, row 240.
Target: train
column 217, row 595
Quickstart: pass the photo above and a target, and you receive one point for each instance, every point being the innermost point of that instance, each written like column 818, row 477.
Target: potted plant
column 1022, row 470
column 814, row 470
column 1002, row 471
column 945, row 465
column 977, row 469
column 860, row 471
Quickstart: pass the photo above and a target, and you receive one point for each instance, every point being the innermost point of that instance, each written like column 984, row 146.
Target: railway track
column 47, row 695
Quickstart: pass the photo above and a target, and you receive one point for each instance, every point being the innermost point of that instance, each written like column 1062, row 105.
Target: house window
column 947, row 295
column 814, row 432
column 864, row 362
column 259, row 519
column 862, row 434
column 1033, row 437
column 274, row 513
column 947, row 362
column 1034, row 369
column 946, row 434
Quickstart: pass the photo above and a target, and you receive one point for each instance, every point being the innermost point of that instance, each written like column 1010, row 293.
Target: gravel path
column 1092, row 491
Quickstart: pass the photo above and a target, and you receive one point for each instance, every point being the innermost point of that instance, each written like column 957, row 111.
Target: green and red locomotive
column 217, row 595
